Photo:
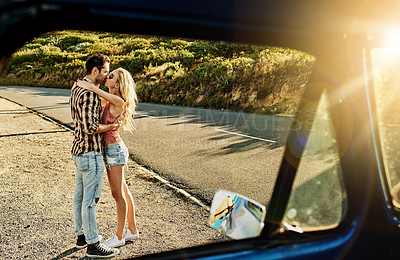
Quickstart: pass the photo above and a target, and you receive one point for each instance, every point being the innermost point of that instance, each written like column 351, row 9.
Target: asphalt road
column 200, row 150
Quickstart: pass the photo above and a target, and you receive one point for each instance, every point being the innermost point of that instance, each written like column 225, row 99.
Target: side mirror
column 396, row 195
column 239, row 217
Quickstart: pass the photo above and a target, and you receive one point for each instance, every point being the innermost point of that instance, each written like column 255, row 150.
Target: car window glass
column 318, row 196
column 211, row 115
column 386, row 79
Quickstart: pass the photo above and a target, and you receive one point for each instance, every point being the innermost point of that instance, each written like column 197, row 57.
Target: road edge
column 143, row 168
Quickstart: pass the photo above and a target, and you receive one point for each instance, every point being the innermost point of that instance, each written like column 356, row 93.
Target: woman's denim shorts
column 116, row 154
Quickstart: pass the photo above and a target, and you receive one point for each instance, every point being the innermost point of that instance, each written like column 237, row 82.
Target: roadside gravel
column 37, row 178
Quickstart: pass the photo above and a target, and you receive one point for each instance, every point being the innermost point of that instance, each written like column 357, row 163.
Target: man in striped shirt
column 87, row 149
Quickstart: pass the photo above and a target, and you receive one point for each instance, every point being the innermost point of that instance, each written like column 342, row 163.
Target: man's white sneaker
column 114, row 242
column 129, row 236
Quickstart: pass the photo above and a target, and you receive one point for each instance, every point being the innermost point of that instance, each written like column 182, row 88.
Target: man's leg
column 92, row 180
column 92, row 184
column 78, row 196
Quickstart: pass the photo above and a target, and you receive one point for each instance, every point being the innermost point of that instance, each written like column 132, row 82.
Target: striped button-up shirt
column 85, row 112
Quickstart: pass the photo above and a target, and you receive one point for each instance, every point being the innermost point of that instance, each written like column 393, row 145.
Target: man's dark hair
column 96, row 60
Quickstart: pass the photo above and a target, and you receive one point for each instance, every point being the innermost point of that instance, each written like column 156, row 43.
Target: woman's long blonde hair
column 127, row 91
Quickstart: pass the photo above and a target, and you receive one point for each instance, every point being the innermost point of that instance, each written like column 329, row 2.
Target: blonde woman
column 121, row 101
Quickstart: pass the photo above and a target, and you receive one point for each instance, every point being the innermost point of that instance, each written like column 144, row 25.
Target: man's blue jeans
column 89, row 180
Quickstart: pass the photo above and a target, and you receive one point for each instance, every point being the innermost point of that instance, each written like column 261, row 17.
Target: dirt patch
column 36, row 192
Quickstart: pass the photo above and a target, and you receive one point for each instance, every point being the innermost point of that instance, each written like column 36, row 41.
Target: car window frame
column 391, row 210
column 33, row 18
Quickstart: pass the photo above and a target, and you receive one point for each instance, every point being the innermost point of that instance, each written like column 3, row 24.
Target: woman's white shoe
column 114, row 242
column 129, row 236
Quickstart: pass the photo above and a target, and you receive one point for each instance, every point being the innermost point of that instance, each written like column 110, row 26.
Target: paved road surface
column 200, row 150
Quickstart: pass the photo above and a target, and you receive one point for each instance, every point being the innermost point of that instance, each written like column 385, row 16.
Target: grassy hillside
column 171, row 71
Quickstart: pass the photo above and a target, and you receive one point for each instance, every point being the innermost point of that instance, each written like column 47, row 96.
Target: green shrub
column 136, row 44
column 80, row 47
column 31, row 46
column 71, row 40
column 201, row 50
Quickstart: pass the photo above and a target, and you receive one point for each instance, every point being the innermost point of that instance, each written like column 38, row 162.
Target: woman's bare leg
column 116, row 180
column 131, row 209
